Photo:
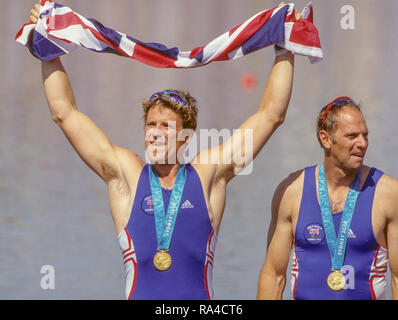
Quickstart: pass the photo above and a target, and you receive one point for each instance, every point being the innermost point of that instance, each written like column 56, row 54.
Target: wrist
column 279, row 50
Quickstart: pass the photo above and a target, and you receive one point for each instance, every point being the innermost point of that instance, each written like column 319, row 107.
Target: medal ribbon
column 165, row 223
column 337, row 246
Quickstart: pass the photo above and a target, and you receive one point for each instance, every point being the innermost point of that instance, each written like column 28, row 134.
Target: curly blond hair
column 188, row 112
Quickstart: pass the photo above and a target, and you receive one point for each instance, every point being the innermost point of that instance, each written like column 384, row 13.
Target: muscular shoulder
column 129, row 158
column 292, row 185
column 387, row 193
column 288, row 193
column 207, row 168
column 131, row 166
column 387, row 188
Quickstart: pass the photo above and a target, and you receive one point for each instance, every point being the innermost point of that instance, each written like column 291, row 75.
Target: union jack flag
column 314, row 231
column 61, row 30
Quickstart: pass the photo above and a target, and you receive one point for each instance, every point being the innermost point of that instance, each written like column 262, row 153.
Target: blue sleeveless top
column 365, row 263
column 192, row 246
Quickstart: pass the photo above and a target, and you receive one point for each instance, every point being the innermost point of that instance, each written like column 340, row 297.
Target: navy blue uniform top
column 192, row 245
column 365, row 263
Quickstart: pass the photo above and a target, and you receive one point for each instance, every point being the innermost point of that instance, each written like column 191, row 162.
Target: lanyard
column 337, row 246
column 165, row 223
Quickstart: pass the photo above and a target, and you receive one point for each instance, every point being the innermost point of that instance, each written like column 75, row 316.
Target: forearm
column 393, row 260
column 278, row 90
column 57, row 89
column 272, row 109
column 272, row 278
column 270, row 286
column 390, row 188
column 394, row 287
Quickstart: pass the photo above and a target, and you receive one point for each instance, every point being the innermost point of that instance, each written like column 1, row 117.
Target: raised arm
column 87, row 139
column 85, row 136
column 246, row 143
column 228, row 159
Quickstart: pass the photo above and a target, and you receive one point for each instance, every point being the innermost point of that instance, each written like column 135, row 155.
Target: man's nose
column 157, row 131
column 363, row 142
column 154, row 133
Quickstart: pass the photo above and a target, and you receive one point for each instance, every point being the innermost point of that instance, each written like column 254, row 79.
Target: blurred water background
column 54, row 211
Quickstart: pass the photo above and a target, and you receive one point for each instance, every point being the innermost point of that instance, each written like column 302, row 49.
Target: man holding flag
column 168, row 254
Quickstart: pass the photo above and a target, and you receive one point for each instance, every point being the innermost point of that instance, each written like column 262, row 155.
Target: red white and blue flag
column 60, row 30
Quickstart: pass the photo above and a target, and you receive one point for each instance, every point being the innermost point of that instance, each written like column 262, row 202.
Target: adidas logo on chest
column 187, row 205
column 351, row 234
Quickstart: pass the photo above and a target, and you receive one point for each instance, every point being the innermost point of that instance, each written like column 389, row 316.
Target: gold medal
column 336, row 280
column 162, row 260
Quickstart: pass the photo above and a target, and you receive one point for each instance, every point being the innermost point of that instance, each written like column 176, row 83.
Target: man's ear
column 326, row 139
